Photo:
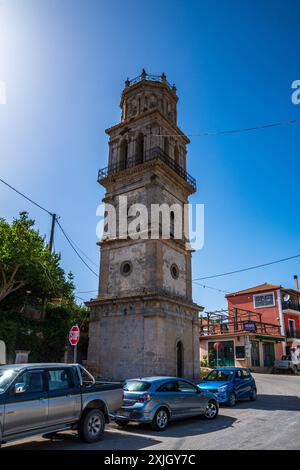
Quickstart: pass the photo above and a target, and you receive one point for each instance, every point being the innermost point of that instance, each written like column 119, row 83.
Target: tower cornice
column 154, row 295
column 175, row 130
column 151, row 85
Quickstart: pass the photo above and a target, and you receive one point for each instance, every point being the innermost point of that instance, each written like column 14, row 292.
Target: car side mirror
column 20, row 388
column 198, row 390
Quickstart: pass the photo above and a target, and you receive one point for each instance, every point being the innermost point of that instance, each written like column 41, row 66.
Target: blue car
column 230, row 384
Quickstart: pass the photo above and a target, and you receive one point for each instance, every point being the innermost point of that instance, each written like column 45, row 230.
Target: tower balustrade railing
column 149, row 77
column 149, row 155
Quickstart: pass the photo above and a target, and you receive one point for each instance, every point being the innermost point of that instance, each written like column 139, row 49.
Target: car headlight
column 222, row 389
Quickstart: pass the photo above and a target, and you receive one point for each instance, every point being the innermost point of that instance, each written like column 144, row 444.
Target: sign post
column 74, row 336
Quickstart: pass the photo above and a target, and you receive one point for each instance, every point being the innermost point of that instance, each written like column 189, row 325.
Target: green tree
column 27, row 265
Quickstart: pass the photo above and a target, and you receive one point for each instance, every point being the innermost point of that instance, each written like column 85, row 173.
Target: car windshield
column 6, row 378
column 136, row 386
column 220, row 375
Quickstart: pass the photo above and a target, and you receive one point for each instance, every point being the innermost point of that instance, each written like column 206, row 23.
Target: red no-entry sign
column 74, row 335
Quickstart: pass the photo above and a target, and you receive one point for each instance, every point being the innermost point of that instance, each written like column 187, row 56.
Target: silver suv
column 46, row 398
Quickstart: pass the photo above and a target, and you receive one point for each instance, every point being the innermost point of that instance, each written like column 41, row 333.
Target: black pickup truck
column 47, row 398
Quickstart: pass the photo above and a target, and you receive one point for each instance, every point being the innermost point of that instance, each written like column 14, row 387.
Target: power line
column 210, row 287
column 80, row 298
column 247, row 269
column 235, row 131
column 86, row 291
column 54, row 219
column 83, row 253
column 74, row 248
column 26, row 197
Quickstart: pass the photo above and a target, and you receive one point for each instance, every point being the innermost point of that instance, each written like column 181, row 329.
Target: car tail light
column 144, row 398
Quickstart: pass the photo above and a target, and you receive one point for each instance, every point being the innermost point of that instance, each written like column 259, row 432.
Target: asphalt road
column 272, row 422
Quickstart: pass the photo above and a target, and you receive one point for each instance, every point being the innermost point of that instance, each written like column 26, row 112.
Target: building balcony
column 242, row 327
column 291, row 305
column 153, row 154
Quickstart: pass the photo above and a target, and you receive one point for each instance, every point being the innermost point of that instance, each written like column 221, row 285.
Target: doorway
column 255, row 354
column 269, row 354
column 179, row 359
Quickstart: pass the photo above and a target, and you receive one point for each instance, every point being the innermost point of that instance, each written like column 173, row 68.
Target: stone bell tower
column 144, row 321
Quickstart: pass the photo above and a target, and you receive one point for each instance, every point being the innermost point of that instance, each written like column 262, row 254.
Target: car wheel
column 211, row 411
column 121, row 422
column 91, row 425
column 232, row 399
column 160, row 420
column 253, row 395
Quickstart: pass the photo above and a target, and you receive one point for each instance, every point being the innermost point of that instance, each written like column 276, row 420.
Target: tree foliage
column 27, row 265
column 30, row 278
column 46, row 339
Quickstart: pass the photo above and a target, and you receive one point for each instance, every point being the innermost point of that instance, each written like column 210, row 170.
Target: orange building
column 261, row 324
column 274, row 304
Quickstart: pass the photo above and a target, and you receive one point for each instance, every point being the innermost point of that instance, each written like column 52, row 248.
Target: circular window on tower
column 174, row 271
column 126, row 268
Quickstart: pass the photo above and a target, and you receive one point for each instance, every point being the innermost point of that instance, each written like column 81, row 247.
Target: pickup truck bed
column 287, row 365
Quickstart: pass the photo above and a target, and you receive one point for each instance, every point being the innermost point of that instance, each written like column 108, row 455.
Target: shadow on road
column 185, row 428
column 133, row 437
column 273, row 402
column 70, row 441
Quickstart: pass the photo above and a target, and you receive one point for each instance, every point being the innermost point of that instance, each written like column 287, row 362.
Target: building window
column 176, row 155
column 264, row 300
column 123, row 155
column 292, row 329
column 126, row 268
column 139, row 158
column 174, row 271
column 240, row 352
column 166, row 145
column 172, row 224
column 222, row 354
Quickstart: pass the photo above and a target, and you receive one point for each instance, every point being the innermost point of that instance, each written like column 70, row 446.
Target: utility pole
column 50, row 246
column 52, row 232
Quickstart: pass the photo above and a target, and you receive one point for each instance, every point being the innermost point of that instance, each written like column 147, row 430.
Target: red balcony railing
column 240, row 327
column 236, row 320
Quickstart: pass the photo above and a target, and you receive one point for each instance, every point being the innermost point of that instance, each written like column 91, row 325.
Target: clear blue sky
column 64, row 63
